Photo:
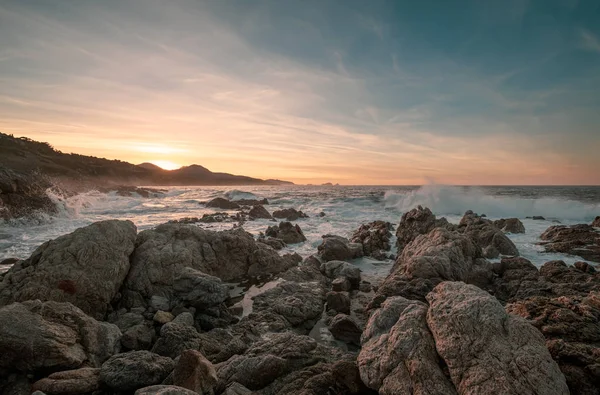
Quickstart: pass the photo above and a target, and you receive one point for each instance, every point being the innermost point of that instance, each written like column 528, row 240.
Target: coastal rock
column 338, row 301
column 418, row 221
column 289, row 214
column 252, row 202
column 336, row 269
column 23, row 195
column 517, row 278
column 301, row 304
column 441, row 255
column 596, row 222
column 341, row 284
column 398, row 354
column 222, row 203
column 374, row 237
column 259, row 212
column 237, row 389
column 175, row 337
column 163, row 254
column 199, row 290
column 286, row 231
column 487, row 350
column 269, row 362
column 337, row 248
column 70, row 382
column 215, row 217
column 139, row 337
column 194, row 372
column 582, row 240
column 135, row 369
column 162, row 317
column 491, row 239
column 273, row 242
column 52, row 335
column 510, row 225
column 164, row 390
column 571, row 326
column 85, row 268
column 345, row 328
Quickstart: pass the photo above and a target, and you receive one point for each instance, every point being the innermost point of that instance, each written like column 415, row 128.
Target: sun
column 166, row 164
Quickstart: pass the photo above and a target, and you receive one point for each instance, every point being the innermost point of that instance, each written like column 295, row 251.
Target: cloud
column 186, row 82
column 589, row 41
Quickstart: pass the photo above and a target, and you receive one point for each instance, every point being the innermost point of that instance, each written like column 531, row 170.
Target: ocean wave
column 451, row 200
column 236, row 194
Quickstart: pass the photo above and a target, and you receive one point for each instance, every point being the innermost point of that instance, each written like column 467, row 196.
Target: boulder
column 337, row 269
column 222, row 203
column 194, row 372
column 510, row 225
column 175, row 337
column 257, row 212
column 338, row 301
column 596, row 222
column 487, row 350
column 341, row 284
column 289, row 214
column 337, row 248
column 199, row 290
column 273, row 242
column 345, row 328
column 581, row 240
column 164, row 390
column 85, row 268
column 492, row 240
column 165, row 253
column 139, row 337
column 440, row 255
column 162, row 317
column 374, row 237
column 398, row 354
column 571, row 326
column 23, row 195
column 70, row 382
column 237, row 389
column 53, row 336
column 300, row 304
column 269, row 361
column 418, row 221
column 286, row 231
column 135, row 369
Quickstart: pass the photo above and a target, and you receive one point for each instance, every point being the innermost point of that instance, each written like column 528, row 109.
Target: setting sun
column 166, row 164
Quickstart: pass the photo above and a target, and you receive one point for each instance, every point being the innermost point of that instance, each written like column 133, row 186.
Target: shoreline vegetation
column 108, row 310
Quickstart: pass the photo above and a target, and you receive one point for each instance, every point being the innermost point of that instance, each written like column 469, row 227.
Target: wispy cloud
column 590, row 41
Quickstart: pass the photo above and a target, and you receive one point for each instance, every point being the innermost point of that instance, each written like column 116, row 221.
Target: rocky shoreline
column 108, row 310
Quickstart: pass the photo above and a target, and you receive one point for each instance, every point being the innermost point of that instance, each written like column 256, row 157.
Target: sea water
column 345, row 208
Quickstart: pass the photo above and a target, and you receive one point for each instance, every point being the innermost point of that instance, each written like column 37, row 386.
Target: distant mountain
column 23, row 156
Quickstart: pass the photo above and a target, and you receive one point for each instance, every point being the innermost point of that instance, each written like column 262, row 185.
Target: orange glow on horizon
column 166, row 164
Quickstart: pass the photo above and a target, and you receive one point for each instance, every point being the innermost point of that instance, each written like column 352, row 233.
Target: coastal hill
column 28, row 168
column 25, row 156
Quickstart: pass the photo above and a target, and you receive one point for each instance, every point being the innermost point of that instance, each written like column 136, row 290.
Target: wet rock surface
column 85, row 268
column 375, row 238
column 289, row 214
column 337, row 248
column 286, row 231
column 510, row 225
column 582, row 240
column 222, row 203
column 135, row 369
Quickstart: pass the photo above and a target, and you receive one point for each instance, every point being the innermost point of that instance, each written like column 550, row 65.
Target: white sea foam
column 451, row 200
column 239, row 195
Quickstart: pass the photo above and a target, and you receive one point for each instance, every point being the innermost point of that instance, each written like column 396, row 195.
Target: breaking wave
column 451, row 200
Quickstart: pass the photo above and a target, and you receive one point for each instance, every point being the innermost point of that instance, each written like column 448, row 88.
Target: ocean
column 345, row 208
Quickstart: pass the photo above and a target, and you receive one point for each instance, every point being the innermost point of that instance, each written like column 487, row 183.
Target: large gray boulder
column 175, row 337
column 418, row 221
column 286, row 231
column 85, row 268
column 486, row 350
column 163, row 254
column 440, row 255
column 510, row 225
column 337, row 248
column 194, row 288
column 337, row 269
column 194, row 372
column 398, row 354
column 135, row 369
column 70, row 382
column 53, row 336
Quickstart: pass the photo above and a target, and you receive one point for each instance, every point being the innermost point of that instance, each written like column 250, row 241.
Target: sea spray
column 453, row 200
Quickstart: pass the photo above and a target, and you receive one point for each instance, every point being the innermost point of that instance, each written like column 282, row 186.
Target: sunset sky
column 355, row 92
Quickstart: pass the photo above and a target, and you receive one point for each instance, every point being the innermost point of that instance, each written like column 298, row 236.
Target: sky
column 354, row 92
